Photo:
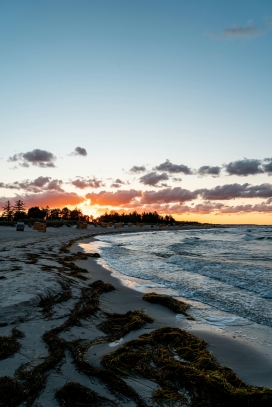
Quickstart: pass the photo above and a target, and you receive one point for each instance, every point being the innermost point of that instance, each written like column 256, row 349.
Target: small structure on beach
column 20, row 226
column 39, row 226
column 82, row 225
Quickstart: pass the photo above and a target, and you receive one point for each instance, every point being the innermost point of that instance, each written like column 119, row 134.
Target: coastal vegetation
column 58, row 217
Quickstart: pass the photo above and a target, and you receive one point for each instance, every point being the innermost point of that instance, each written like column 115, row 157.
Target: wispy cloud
column 83, row 183
column 137, row 169
column 237, row 31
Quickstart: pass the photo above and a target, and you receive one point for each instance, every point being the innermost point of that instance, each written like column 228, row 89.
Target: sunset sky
column 146, row 105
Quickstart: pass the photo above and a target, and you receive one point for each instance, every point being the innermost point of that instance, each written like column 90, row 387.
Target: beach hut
column 81, row 225
column 39, row 226
column 20, row 226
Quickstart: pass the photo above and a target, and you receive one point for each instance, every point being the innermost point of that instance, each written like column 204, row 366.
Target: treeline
column 135, row 217
column 18, row 212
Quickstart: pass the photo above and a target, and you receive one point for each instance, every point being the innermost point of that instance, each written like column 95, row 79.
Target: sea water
column 224, row 273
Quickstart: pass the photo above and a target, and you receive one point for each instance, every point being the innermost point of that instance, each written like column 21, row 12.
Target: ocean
column 225, row 274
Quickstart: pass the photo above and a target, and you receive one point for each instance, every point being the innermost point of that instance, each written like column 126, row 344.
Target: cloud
column 153, row 178
column 267, row 165
column 236, row 31
column 79, row 151
column 118, row 183
column 239, row 31
column 37, row 157
column 244, row 167
column 136, row 170
column 39, row 184
column 232, row 191
column 51, row 198
column 167, row 195
column 174, row 168
column 82, row 183
column 117, row 198
column 208, row 170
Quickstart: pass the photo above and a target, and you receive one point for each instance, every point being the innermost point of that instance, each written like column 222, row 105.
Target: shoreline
column 52, row 273
column 229, row 351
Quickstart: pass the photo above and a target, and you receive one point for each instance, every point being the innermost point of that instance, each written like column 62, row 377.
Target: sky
column 145, row 105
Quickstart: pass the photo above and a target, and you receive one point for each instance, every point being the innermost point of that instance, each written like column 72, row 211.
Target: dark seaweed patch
column 179, row 361
column 177, row 306
column 47, row 303
column 12, row 392
column 76, row 395
column 9, row 345
column 118, row 325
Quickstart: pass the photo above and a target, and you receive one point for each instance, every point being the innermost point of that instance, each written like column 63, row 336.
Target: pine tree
column 19, row 210
column 8, row 211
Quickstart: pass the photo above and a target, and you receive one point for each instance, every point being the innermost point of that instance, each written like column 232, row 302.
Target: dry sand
column 32, row 268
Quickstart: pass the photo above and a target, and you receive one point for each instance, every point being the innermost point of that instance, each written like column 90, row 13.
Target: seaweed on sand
column 48, row 302
column 80, row 256
column 75, row 395
column 177, row 306
column 115, row 384
column 66, row 247
column 34, row 378
column 12, row 393
column 9, row 345
column 118, row 325
column 179, row 361
column 168, row 397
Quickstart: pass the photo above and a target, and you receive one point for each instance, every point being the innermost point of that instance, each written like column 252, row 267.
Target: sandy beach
column 60, row 321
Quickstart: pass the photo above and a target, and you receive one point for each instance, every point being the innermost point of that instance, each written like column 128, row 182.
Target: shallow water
column 225, row 273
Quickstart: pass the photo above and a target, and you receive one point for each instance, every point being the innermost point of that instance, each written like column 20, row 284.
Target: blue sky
column 135, row 83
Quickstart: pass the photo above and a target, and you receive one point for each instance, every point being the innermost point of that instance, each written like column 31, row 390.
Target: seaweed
column 80, row 256
column 177, row 306
column 12, row 392
column 75, row 395
column 168, row 397
column 9, row 345
column 115, row 384
column 118, row 325
column 35, row 377
column 179, row 361
column 32, row 257
column 48, row 302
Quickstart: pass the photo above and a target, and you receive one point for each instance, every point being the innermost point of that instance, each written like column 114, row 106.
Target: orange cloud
column 120, row 197
column 50, row 198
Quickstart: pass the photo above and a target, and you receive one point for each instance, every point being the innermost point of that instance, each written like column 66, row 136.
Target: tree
column 36, row 213
column 19, row 210
column 55, row 213
column 76, row 214
column 46, row 211
column 65, row 213
column 8, row 211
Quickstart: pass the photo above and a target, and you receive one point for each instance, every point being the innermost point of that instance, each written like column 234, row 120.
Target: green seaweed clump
column 9, row 345
column 118, row 325
column 177, row 306
column 75, row 395
column 179, row 362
